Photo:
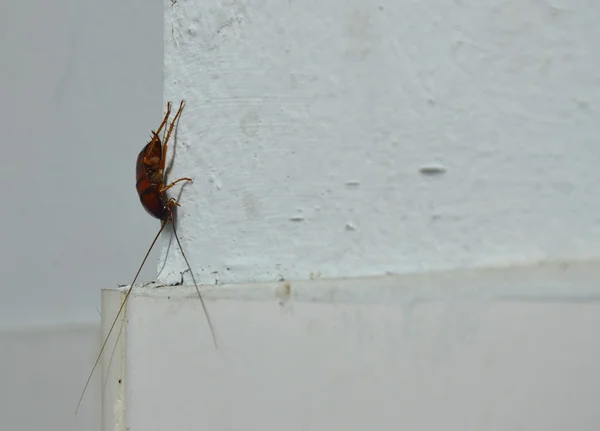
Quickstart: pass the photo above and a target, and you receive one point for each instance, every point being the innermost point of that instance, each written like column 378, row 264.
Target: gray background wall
column 81, row 87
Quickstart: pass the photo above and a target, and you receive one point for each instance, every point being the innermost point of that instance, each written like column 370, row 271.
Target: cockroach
column 151, row 188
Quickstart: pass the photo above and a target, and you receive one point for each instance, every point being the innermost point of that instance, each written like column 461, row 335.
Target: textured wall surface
column 354, row 138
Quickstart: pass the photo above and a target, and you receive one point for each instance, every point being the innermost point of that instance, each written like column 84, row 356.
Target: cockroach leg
column 165, row 142
column 165, row 119
column 165, row 188
column 171, row 203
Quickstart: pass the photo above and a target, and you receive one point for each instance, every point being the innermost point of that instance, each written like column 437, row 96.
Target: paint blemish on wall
column 432, row 170
column 250, row 123
column 350, row 226
column 284, row 293
column 212, row 179
column 251, row 205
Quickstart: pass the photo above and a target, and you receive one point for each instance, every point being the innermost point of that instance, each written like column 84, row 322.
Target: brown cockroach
column 151, row 188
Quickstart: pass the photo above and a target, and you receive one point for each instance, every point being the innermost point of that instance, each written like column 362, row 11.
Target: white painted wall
column 81, row 86
column 311, row 129
column 477, row 350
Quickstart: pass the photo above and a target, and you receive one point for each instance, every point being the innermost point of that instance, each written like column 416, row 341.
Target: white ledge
column 453, row 350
